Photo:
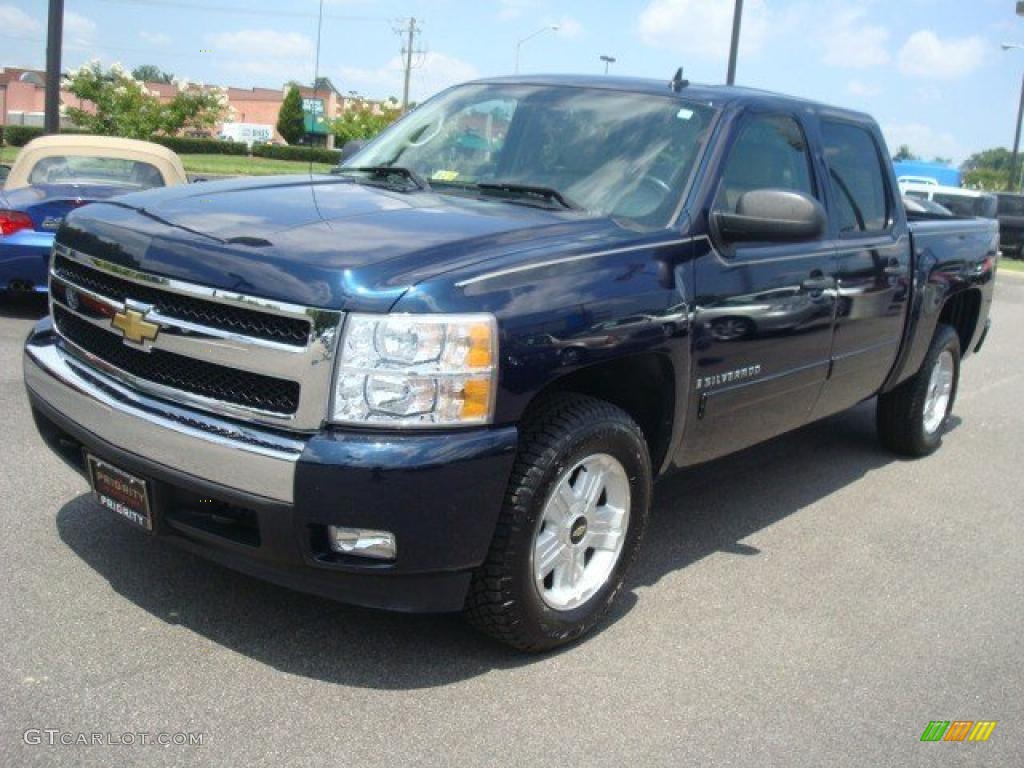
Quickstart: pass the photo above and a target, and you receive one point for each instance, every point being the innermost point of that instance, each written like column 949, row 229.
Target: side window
column 856, row 178
column 769, row 152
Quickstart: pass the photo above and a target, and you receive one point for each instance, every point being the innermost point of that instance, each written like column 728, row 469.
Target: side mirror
column 772, row 215
column 351, row 147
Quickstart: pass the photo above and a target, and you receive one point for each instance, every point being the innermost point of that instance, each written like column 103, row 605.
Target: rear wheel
column 571, row 525
column 912, row 417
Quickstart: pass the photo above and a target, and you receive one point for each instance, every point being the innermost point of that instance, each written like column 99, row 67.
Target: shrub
column 188, row 146
column 20, row 135
column 303, row 154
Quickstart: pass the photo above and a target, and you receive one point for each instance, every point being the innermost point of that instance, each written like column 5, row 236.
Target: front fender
column 564, row 313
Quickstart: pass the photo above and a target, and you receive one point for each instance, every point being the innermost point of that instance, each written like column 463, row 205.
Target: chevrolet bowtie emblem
column 132, row 323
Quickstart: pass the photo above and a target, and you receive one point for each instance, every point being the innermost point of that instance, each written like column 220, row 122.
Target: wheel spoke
column 574, row 565
column 560, row 507
column 549, row 552
column 605, row 528
column 589, row 485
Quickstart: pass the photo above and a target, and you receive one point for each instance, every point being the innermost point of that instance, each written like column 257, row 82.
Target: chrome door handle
column 818, row 283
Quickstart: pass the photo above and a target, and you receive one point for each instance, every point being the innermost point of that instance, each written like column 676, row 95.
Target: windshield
column 79, row 169
column 619, row 154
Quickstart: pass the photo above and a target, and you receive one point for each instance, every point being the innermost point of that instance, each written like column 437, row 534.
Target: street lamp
column 541, row 31
column 1020, row 114
column 608, row 60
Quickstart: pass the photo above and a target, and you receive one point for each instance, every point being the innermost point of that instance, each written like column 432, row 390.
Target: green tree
column 123, row 106
column 904, row 153
column 290, row 119
column 988, row 169
column 363, row 119
column 149, row 73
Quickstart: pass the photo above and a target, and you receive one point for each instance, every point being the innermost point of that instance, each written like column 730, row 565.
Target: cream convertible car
column 55, row 174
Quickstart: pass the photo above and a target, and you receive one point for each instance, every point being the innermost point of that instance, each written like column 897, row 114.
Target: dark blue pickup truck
column 446, row 376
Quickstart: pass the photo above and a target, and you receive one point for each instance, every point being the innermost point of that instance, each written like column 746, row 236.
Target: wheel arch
column 643, row 385
column 961, row 311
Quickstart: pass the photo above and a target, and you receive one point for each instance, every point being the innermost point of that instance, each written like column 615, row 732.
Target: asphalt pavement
column 812, row 601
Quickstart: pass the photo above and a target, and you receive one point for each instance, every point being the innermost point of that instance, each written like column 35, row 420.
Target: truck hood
column 318, row 241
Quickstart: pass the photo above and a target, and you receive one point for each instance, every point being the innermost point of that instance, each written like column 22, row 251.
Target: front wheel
column 571, row 525
column 912, row 417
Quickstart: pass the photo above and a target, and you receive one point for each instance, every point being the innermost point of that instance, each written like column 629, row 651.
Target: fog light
column 361, row 542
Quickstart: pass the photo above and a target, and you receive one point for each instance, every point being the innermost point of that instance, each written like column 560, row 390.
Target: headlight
column 416, row 370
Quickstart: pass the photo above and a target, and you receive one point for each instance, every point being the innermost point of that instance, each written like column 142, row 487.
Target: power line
column 235, row 9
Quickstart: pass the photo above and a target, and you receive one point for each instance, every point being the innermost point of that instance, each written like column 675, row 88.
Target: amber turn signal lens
column 476, row 399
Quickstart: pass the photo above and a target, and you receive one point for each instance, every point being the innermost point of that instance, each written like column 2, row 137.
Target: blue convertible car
column 55, row 174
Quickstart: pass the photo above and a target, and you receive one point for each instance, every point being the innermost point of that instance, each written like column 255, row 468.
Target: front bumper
column 260, row 501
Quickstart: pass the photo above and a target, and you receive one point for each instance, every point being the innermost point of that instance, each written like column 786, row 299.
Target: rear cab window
column 1011, row 205
column 856, row 179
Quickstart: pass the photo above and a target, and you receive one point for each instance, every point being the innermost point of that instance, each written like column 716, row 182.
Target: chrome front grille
column 287, row 330
column 240, row 356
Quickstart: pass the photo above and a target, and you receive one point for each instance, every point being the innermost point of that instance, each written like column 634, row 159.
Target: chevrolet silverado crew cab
column 445, row 377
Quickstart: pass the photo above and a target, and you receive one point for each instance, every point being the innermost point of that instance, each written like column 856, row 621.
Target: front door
column 763, row 312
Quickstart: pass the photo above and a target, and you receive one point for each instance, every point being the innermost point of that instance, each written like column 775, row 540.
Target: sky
column 931, row 71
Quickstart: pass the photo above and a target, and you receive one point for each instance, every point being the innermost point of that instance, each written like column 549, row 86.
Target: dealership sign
column 313, row 118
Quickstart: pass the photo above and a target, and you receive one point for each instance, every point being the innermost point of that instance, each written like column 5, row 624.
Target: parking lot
column 812, row 601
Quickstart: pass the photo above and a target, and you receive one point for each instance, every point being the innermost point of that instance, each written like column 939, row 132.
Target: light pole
column 54, row 36
column 1012, row 185
column 608, row 60
column 541, row 31
column 734, row 47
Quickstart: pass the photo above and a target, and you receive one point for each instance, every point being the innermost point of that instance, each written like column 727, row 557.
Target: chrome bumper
column 255, row 461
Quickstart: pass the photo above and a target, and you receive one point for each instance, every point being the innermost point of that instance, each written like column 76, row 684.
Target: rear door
column 872, row 265
column 764, row 311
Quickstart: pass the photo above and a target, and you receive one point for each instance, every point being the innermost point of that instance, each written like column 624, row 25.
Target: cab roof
column 714, row 95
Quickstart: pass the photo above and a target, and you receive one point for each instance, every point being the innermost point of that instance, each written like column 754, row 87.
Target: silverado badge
column 729, row 377
column 132, row 323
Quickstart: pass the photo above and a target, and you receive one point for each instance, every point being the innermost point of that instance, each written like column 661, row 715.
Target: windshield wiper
column 384, row 171
column 531, row 191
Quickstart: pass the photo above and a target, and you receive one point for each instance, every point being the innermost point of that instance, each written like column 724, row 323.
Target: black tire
column 503, row 600
column 901, row 413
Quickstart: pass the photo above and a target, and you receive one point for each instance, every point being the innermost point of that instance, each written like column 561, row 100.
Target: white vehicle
column 247, row 133
column 960, row 201
column 917, row 180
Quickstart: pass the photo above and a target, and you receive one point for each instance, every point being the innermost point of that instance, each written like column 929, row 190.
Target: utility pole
column 54, row 39
column 1012, row 182
column 1015, row 158
column 407, row 52
column 737, row 16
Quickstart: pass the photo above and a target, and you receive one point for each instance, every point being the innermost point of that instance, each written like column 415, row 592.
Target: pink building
column 22, row 95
